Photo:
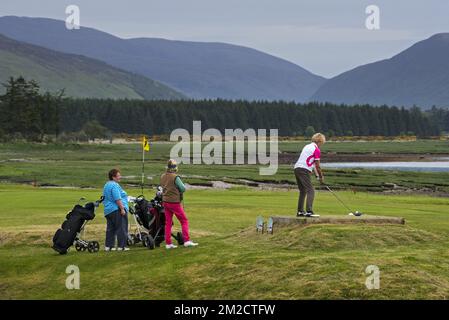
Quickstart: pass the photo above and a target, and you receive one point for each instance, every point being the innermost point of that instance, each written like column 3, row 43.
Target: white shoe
column 312, row 215
column 113, row 249
column 123, row 249
column 190, row 244
column 170, row 246
column 107, row 249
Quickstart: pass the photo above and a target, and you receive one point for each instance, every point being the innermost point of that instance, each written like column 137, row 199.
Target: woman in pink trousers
column 172, row 193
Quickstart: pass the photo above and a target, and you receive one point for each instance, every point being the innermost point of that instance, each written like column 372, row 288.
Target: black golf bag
column 75, row 222
column 147, row 213
column 150, row 222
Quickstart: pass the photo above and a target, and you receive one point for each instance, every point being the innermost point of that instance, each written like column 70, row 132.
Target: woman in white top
column 308, row 161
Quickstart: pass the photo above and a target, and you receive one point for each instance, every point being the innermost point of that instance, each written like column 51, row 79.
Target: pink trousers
column 176, row 209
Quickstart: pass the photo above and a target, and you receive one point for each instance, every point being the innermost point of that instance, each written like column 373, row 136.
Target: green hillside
column 78, row 75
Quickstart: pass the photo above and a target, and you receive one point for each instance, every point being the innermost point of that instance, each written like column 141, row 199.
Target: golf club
column 356, row 213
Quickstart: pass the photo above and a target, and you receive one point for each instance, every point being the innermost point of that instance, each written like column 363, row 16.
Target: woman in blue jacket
column 115, row 210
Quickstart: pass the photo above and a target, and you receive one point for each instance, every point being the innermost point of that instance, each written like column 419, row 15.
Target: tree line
column 292, row 119
column 25, row 111
column 439, row 117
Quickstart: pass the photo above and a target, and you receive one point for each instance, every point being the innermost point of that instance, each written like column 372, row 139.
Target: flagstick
column 143, row 167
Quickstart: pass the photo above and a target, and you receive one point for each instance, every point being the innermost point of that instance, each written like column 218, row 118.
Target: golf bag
column 74, row 224
column 149, row 217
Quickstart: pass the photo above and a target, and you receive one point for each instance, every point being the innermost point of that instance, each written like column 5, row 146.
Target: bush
column 310, row 131
column 49, row 139
column 64, row 138
column 81, row 136
column 93, row 130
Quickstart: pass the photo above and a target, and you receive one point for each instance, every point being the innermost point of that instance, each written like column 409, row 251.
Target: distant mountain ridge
column 199, row 70
column 417, row 76
column 81, row 77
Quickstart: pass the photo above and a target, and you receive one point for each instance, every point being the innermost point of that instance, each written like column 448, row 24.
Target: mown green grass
column 321, row 261
column 232, row 261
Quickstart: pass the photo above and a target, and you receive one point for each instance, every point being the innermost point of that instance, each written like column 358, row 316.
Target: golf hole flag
column 145, row 147
column 145, row 144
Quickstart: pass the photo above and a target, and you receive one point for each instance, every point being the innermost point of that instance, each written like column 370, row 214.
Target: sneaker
column 170, row 246
column 300, row 214
column 310, row 214
column 190, row 244
column 123, row 249
column 113, row 249
column 107, row 249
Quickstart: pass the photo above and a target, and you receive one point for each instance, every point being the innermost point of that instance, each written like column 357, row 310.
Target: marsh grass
column 83, row 165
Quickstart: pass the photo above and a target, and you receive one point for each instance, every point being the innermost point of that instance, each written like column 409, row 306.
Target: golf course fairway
column 232, row 261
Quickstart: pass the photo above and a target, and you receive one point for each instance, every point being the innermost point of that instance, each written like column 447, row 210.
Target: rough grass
column 328, row 237
column 232, row 262
column 87, row 165
column 397, row 147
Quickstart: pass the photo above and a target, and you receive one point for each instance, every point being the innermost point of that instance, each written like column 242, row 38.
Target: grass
column 232, row 262
column 79, row 76
column 87, row 165
column 395, row 147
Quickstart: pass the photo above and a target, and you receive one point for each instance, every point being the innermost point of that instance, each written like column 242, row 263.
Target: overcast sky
column 324, row 36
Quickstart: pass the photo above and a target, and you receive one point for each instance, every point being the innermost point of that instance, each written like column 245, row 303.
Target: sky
column 326, row 37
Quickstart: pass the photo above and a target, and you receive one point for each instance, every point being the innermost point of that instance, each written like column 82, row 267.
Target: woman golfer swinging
column 308, row 161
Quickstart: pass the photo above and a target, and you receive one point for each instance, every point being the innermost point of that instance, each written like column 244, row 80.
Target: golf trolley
column 149, row 218
column 73, row 228
column 81, row 244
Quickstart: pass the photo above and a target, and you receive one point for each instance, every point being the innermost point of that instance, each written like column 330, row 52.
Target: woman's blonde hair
column 172, row 166
column 319, row 138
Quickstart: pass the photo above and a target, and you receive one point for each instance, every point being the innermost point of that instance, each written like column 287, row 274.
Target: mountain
column 417, row 76
column 200, row 70
column 78, row 75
